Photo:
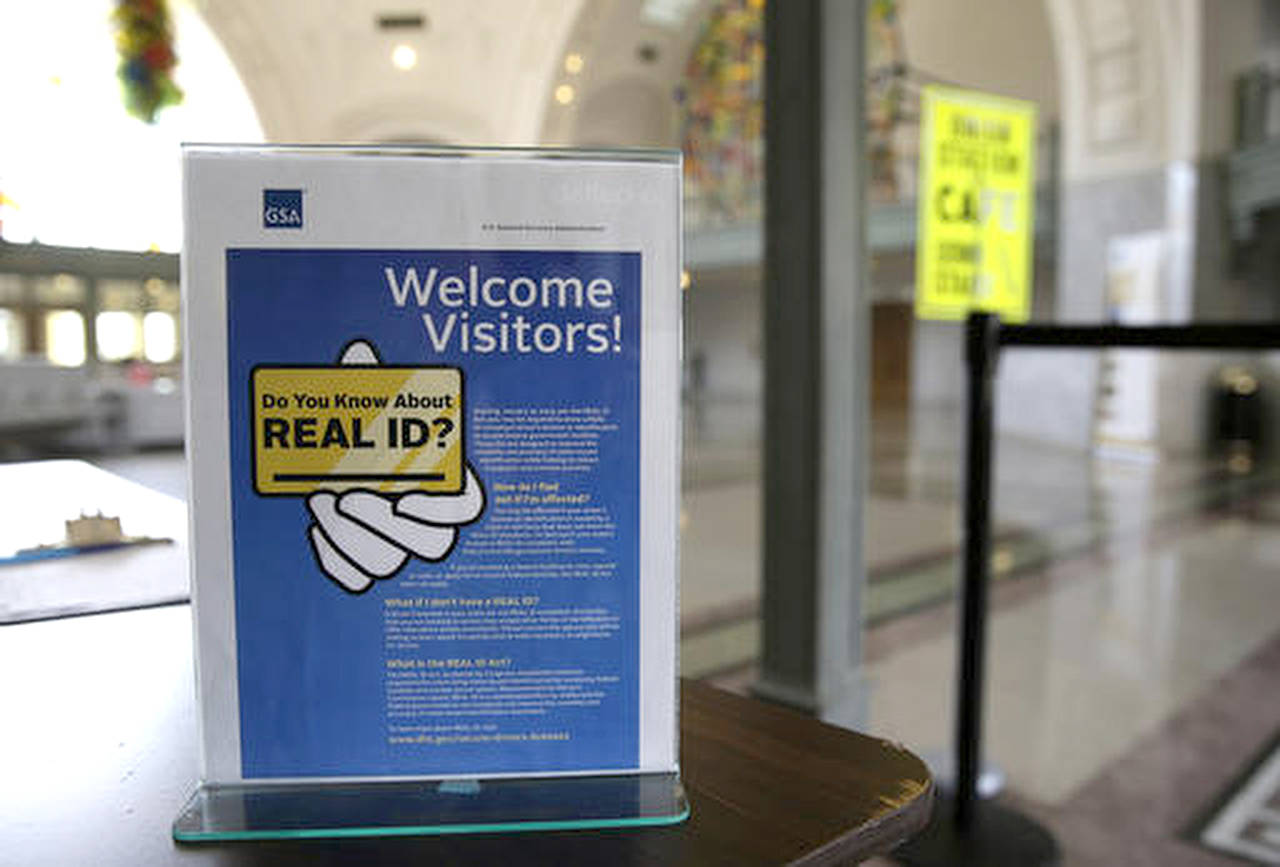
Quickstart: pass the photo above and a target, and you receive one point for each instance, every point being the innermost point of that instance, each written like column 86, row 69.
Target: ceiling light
column 404, row 57
column 564, row 94
column 573, row 63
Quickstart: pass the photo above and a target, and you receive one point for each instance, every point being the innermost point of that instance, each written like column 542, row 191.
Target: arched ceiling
column 633, row 60
column 321, row 70
column 999, row 46
column 487, row 72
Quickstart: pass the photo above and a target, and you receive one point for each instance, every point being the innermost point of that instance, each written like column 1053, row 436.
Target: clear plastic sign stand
column 271, row 812
column 433, row 442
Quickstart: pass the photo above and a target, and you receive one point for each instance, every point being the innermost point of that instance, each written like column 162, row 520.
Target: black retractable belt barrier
column 986, row 833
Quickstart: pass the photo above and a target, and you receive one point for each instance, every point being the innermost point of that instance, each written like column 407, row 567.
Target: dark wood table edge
column 880, row 836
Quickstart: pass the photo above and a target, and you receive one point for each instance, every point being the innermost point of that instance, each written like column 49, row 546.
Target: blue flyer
column 434, row 484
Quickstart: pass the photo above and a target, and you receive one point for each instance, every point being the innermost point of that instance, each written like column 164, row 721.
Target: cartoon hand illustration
column 359, row 536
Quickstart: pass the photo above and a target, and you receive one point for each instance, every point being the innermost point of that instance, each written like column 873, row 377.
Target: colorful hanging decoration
column 886, row 94
column 144, row 38
column 722, row 111
column 723, row 117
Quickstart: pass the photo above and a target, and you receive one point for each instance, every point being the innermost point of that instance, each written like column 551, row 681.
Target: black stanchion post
column 984, row 832
column 973, row 832
column 982, row 352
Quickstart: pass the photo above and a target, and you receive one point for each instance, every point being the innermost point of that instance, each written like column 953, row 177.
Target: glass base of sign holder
column 426, row 807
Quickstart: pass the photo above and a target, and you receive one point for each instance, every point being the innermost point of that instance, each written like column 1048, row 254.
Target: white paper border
column 375, row 198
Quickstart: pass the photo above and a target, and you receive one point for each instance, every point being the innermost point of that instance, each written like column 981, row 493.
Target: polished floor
column 1133, row 662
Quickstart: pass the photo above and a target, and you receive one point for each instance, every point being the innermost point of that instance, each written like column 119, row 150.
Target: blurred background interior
column 1134, row 655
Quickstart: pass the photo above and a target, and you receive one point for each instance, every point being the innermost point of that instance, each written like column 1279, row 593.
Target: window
column 160, row 336
column 119, row 334
column 11, row 335
column 64, row 337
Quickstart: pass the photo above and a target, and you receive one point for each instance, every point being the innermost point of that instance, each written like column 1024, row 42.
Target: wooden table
column 98, row 751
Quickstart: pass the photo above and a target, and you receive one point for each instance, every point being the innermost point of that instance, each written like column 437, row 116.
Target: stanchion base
column 999, row 837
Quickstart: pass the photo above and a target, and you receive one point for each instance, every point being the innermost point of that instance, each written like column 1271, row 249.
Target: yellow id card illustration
column 336, row 428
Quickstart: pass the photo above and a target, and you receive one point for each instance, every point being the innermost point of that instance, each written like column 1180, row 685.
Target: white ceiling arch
column 632, row 62
column 1129, row 71
column 321, row 70
column 1119, row 73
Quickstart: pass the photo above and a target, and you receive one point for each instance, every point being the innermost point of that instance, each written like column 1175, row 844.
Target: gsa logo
column 282, row 209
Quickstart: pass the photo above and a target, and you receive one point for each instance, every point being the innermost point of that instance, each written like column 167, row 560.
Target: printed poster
column 976, row 205
column 439, row 515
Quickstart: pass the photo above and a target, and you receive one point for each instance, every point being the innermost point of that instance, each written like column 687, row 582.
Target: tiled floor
column 1049, row 504
column 1100, row 657
column 1137, row 601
